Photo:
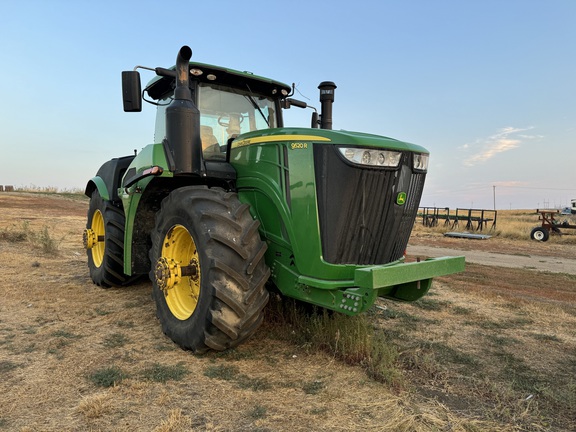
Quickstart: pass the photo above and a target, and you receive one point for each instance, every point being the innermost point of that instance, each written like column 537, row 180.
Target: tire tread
column 233, row 272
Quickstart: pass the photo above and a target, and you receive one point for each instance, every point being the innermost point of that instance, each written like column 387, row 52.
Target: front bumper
column 398, row 281
column 404, row 281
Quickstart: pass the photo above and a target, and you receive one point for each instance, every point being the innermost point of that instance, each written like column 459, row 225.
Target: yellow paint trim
column 276, row 138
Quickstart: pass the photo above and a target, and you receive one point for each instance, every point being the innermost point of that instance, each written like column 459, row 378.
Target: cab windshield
column 226, row 113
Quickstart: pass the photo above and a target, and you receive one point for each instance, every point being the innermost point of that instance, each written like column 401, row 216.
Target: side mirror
column 289, row 102
column 131, row 91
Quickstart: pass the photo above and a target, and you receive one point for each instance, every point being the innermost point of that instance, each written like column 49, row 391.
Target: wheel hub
column 89, row 238
column 169, row 273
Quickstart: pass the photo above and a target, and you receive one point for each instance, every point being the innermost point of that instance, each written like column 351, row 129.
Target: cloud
column 512, row 184
column 506, row 139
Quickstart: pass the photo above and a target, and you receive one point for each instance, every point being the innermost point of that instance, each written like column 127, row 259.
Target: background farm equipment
column 549, row 225
column 571, row 209
column 470, row 219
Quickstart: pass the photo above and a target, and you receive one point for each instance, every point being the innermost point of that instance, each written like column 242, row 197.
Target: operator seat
column 210, row 146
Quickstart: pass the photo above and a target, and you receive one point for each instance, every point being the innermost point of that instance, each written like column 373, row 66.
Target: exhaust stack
column 183, row 122
column 326, row 99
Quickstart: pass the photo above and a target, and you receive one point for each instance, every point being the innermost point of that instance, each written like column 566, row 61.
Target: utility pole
column 494, row 187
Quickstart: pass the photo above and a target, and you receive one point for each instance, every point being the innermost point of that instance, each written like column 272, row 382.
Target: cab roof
column 202, row 72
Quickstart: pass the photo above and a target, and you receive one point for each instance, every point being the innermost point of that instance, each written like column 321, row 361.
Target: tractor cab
column 230, row 103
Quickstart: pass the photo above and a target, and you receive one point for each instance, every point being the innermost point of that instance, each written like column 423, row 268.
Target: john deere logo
column 401, row 198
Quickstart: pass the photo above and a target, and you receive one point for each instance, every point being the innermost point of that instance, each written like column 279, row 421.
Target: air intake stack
column 326, row 99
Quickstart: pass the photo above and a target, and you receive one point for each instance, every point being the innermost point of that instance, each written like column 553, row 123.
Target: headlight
column 369, row 157
column 421, row 161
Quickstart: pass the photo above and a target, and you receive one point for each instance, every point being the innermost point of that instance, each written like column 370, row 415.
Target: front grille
column 360, row 222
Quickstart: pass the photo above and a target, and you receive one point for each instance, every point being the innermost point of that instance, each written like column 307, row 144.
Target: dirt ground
column 61, row 337
column 553, row 263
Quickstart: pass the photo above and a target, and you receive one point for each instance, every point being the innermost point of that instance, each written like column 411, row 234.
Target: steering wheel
column 224, row 124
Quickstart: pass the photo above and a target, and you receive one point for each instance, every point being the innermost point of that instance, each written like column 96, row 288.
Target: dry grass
column 504, row 350
column 470, row 354
column 96, row 406
column 175, row 422
column 52, row 190
column 41, row 238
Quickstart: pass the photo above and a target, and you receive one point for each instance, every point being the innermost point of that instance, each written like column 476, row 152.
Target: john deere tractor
column 229, row 202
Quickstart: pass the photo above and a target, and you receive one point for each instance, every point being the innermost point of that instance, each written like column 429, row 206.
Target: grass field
column 490, row 349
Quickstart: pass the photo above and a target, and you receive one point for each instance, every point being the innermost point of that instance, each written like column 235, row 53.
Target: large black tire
column 106, row 258
column 221, row 304
column 540, row 234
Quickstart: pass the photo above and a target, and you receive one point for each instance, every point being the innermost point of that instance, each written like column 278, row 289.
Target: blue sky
column 489, row 87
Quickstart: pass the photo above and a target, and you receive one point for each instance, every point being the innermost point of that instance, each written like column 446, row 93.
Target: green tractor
column 229, row 203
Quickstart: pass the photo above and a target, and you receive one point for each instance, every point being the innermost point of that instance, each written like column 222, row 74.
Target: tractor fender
column 108, row 178
column 97, row 183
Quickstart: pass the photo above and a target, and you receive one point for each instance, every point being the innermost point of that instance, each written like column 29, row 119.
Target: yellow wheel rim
column 98, row 228
column 179, row 247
